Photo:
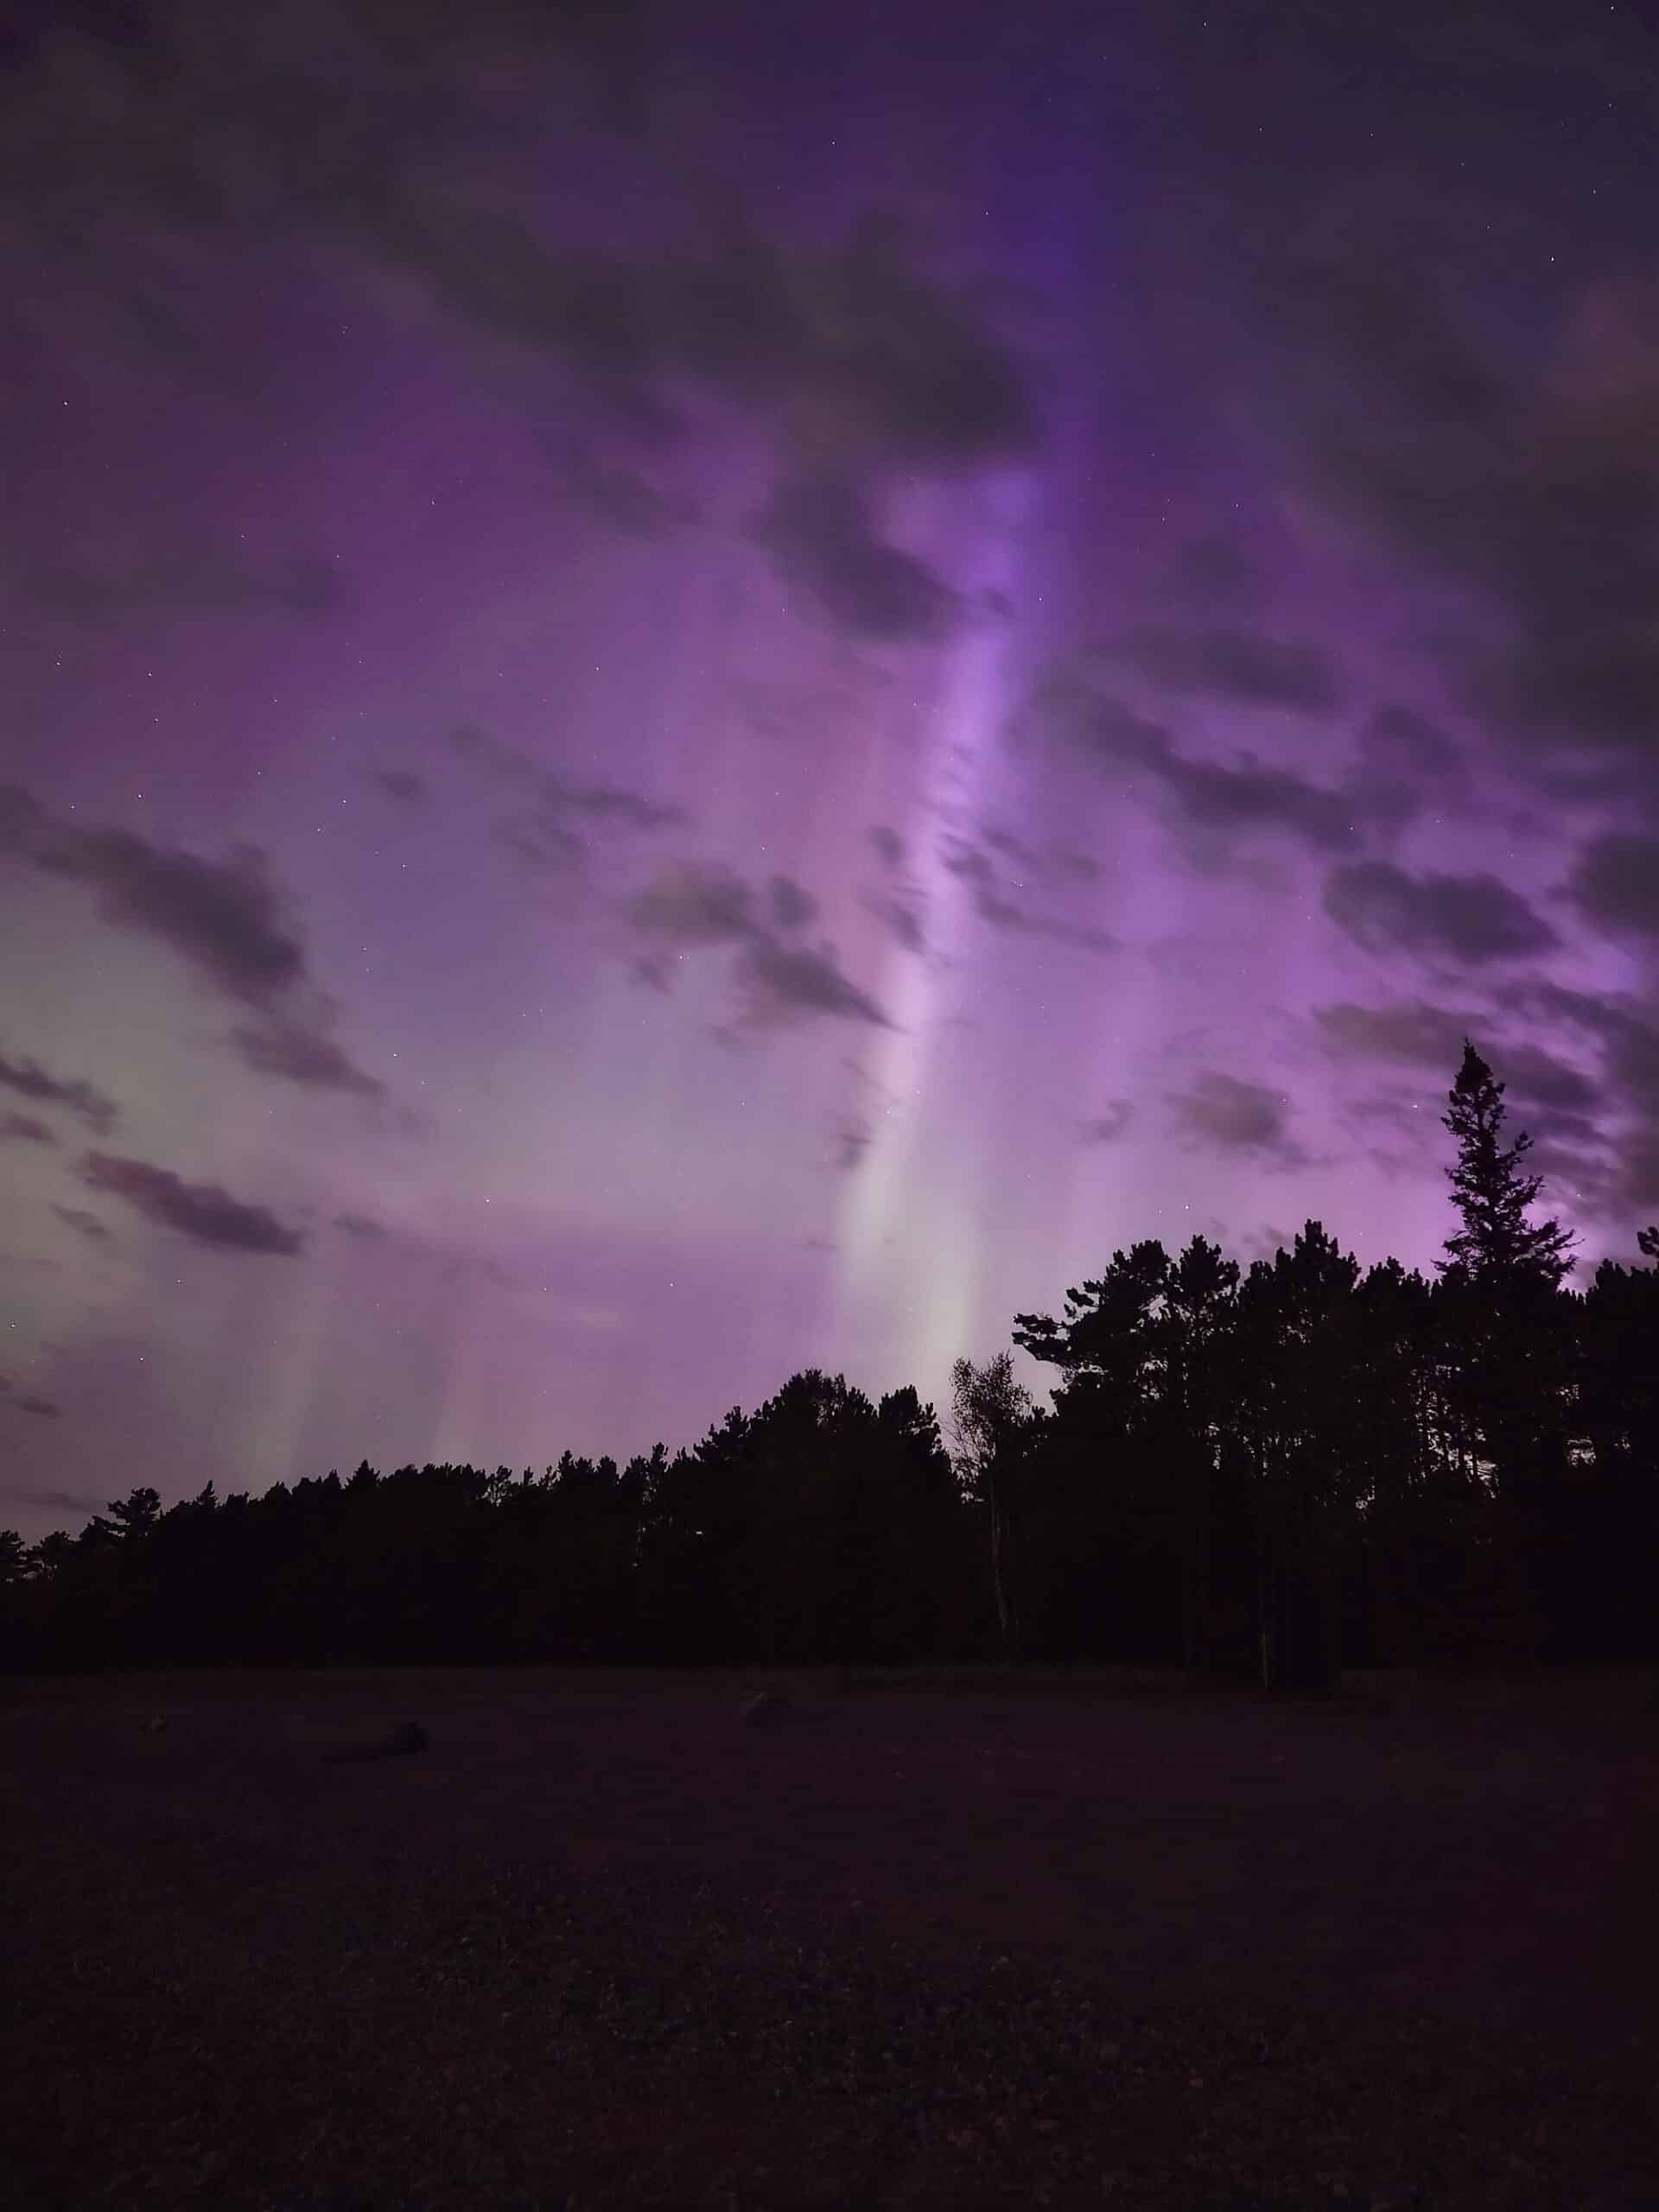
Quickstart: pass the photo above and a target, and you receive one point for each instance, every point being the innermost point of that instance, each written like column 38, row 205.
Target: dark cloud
column 1561, row 1096
column 901, row 911
column 483, row 1270
column 330, row 121
column 608, row 803
column 24, row 1129
column 1420, row 1035
column 1241, row 795
column 825, row 711
column 1633, row 1065
column 224, row 917
column 399, row 782
column 546, row 837
column 43, row 1408
column 626, row 496
column 206, row 585
column 1608, row 1018
column 650, row 971
column 893, row 372
column 358, row 1225
column 853, row 1140
column 1559, row 1127
column 23, row 822
column 698, row 904
column 347, row 129
column 1220, row 1111
column 55, row 1501
column 911, row 373
column 693, row 904
column 1638, row 1183
column 1425, row 1036
column 1626, row 1032
column 820, row 533
column 373, row 149
column 1586, row 1183
column 1615, row 884
column 780, row 983
column 1077, row 866
column 791, row 907
column 1406, row 765
column 1471, row 918
column 903, row 918
column 1059, row 864
column 1217, row 569
column 1537, row 493
column 545, row 846
column 1633, row 1068
column 1246, row 795
column 972, row 865
column 915, row 369
column 203, row 1212
column 1237, row 665
column 596, row 312
column 1111, row 1125
column 301, row 1051
column 1405, row 744
column 976, row 868
column 86, row 1225
column 1628, row 1093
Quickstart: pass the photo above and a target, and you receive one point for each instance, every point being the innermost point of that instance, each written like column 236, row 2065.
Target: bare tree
column 991, row 1412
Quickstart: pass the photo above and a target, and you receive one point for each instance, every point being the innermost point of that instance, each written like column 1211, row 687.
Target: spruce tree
column 1506, row 1377
column 1497, row 1247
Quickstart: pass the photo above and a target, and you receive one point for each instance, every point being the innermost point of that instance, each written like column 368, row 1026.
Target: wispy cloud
column 1222, row 1113
column 1466, row 917
column 1239, row 667
column 76, row 1095
column 204, row 1212
column 25, row 1128
column 776, row 979
column 1109, row 1126
column 84, row 1223
column 225, row 919
column 974, row 866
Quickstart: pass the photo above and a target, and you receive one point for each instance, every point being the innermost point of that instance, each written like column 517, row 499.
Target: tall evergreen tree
column 1497, row 1247
column 1507, row 1379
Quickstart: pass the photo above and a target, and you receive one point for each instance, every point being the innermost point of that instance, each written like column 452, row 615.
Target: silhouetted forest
column 1270, row 1474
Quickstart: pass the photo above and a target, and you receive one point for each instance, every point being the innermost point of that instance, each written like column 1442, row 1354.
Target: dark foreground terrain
column 605, row 1941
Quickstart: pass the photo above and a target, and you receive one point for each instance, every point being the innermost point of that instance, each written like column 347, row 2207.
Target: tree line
column 1268, row 1474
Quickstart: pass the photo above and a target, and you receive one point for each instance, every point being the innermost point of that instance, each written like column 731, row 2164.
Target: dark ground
column 605, row 1943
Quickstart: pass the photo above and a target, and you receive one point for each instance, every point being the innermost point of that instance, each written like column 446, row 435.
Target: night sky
column 687, row 692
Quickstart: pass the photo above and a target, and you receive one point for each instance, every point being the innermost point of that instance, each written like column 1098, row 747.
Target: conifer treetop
column 1498, row 1246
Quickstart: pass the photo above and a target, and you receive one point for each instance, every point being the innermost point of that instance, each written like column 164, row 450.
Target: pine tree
column 1506, row 1384
column 1497, row 1247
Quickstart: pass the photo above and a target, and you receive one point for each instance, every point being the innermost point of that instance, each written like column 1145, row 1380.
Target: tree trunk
column 1006, row 1623
column 1195, row 1579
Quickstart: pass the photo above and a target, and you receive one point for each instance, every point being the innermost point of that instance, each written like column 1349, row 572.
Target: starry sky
column 685, row 692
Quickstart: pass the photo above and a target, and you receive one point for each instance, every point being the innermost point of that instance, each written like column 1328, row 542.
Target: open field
column 924, row 1943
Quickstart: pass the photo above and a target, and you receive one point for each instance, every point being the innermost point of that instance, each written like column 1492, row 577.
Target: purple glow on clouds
column 857, row 673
